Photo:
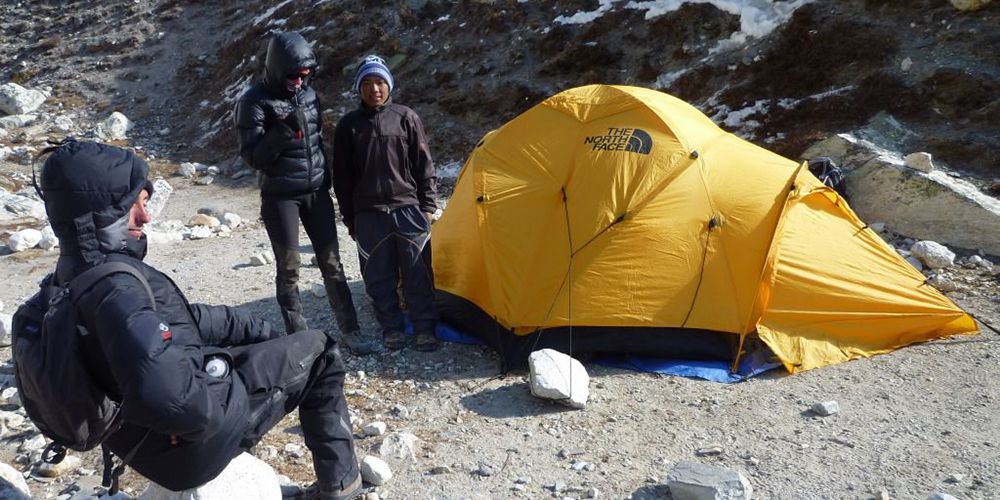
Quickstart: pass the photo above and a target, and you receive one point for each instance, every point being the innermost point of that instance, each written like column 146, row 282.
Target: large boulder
column 246, row 477
column 922, row 205
column 115, row 127
column 17, row 100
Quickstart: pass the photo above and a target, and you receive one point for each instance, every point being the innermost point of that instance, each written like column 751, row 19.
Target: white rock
column 62, row 123
column 695, row 481
column 34, row 443
column 161, row 193
column 246, row 477
column 205, row 180
column 12, row 484
column 375, row 471
column 187, row 170
column 934, row 255
column 375, row 429
column 16, row 121
column 223, row 230
column 11, row 419
column 557, row 376
column 826, row 408
column 68, row 464
column 234, row 221
column 114, row 127
column 49, row 240
column 17, row 100
column 258, row 260
column 203, row 220
column 318, row 290
column 943, row 283
column 937, row 495
column 200, row 233
column 878, row 227
column 919, row 161
column 22, row 205
column 213, row 170
column 6, row 320
column 906, row 64
column 401, row 445
column 10, row 396
column 24, row 239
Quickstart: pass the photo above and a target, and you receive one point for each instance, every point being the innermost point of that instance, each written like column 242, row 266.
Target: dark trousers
column 281, row 217
column 392, row 245
column 303, row 370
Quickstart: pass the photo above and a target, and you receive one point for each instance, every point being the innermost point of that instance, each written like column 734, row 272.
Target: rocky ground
column 919, row 420
column 916, row 421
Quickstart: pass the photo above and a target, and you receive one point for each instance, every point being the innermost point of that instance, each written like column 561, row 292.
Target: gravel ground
column 916, row 421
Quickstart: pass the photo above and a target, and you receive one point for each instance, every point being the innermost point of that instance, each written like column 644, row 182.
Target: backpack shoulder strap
column 83, row 282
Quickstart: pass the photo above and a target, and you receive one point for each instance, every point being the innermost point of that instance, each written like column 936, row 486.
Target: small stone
column 69, row 463
column 24, row 239
column 710, row 451
column 400, row 411
column 955, row 478
column 200, row 233
column 205, row 180
column 943, row 283
column 203, row 220
column 826, row 408
column 318, row 290
column 34, row 443
column 484, row 470
column 441, row 469
column 937, row 495
column 258, row 260
column 375, row 471
column 187, row 170
column 232, row 220
column 695, row 481
column 375, row 429
column 919, row 161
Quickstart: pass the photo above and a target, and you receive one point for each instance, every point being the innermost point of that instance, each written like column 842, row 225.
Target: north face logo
column 633, row 140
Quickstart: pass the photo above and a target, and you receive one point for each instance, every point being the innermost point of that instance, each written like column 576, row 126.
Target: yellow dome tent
column 622, row 219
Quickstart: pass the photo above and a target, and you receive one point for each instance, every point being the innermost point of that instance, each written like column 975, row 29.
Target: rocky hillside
column 782, row 74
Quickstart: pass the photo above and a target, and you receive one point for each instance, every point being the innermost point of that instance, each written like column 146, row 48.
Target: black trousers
column 303, row 370
column 394, row 245
column 281, row 215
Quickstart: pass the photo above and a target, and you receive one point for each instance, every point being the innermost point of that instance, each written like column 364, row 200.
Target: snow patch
column 586, row 17
column 270, row 12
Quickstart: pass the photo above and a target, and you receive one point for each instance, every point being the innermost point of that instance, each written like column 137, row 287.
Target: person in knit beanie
column 386, row 186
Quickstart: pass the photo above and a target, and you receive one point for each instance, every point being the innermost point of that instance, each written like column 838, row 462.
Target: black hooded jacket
column 151, row 361
column 280, row 131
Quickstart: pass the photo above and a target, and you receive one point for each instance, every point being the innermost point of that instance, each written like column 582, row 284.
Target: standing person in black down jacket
column 180, row 425
column 385, row 184
column 280, row 134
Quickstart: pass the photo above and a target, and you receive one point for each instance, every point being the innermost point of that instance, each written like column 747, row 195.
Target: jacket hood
column 286, row 52
column 88, row 189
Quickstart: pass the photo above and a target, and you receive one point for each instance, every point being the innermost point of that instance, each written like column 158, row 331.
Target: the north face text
column 633, row 140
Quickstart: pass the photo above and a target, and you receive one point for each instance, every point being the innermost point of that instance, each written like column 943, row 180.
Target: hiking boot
column 326, row 491
column 426, row 342
column 358, row 345
column 393, row 340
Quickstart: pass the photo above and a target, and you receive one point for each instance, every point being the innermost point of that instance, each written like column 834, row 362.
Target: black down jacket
column 151, row 361
column 280, row 131
column 189, row 423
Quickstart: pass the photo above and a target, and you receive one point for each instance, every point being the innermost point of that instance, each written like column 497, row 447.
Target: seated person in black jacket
column 184, row 424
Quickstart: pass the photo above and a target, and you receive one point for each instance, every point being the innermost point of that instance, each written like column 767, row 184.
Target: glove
column 296, row 122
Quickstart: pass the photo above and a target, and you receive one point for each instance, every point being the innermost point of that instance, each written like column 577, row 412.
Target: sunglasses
column 298, row 76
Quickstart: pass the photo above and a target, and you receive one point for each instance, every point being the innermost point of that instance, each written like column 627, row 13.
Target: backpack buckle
column 54, row 453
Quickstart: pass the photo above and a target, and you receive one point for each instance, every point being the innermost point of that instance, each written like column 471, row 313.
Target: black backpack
column 55, row 386
column 829, row 174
